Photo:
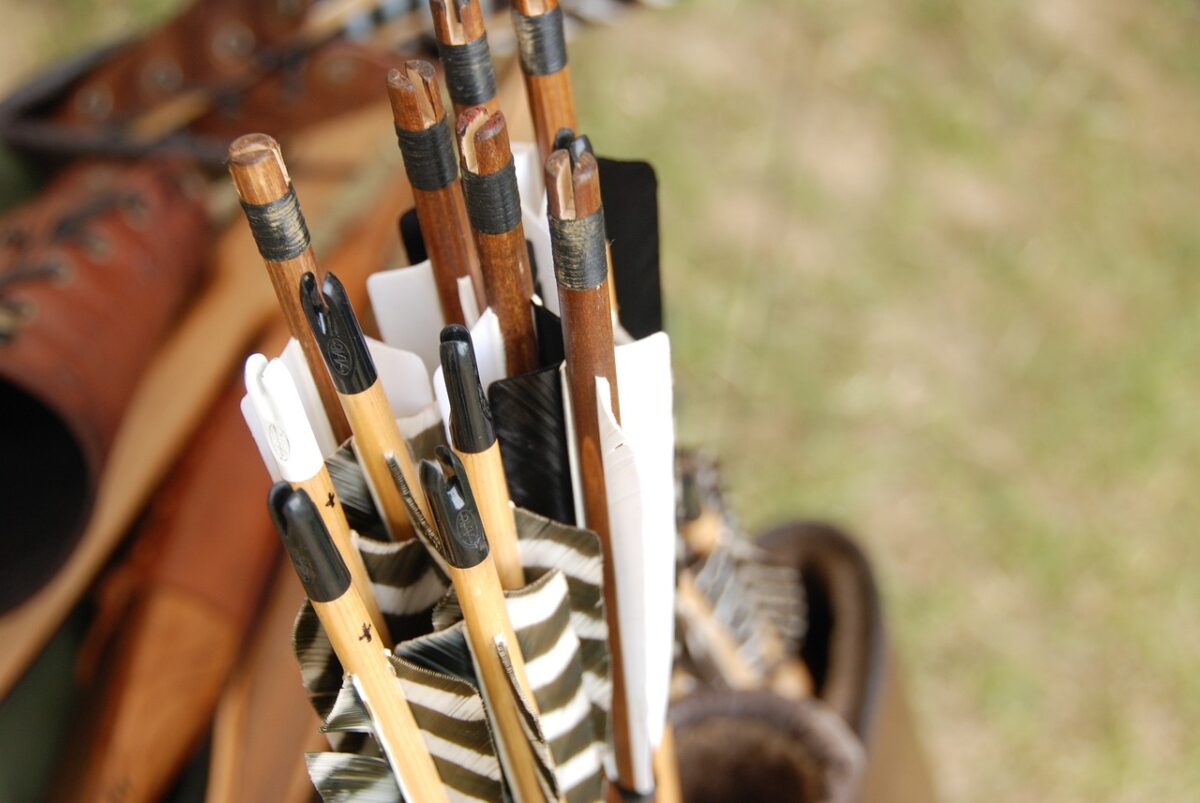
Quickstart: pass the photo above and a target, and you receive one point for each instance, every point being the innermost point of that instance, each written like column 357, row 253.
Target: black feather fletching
column 527, row 411
column 630, row 192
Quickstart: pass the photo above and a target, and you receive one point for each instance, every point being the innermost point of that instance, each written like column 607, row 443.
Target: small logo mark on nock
column 469, row 534
column 281, row 447
column 340, row 357
column 366, row 633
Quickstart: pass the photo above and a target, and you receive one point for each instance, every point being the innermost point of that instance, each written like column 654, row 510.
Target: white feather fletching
column 638, row 459
column 277, row 420
column 407, row 310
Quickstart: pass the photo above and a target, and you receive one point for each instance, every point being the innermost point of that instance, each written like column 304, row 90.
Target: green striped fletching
column 547, row 545
column 559, row 621
column 437, row 677
column 541, row 616
column 351, row 484
column 744, row 593
column 348, row 778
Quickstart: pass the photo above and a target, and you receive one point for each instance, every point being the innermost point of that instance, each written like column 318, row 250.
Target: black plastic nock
column 470, row 417
column 321, row 569
column 454, row 510
column 575, row 146
column 338, row 334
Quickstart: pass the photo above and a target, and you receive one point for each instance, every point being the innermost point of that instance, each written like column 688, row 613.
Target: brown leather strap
column 92, row 274
column 211, row 42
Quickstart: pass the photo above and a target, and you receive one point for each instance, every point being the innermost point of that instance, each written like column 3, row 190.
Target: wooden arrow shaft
column 508, row 280
column 552, row 107
column 256, row 165
column 451, row 249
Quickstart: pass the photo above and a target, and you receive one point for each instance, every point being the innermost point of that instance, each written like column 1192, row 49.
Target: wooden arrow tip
column 490, row 140
column 250, row 149
column 258, row 170
column 586, row 185
column 456, row 22
column 414, row 95
column 469, row 122
column 560, row 189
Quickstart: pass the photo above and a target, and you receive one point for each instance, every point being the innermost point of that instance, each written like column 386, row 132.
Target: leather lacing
column 71, row 228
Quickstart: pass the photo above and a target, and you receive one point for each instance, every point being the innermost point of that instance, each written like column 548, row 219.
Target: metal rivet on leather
column 99, row 248
column 13, row 315
column 289, row 8
column 340, row 71
column 135, row 211
column 161, row 76
column 95, row 102
column 233, row 42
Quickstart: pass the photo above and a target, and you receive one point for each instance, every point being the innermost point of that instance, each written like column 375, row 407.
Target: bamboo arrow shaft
column 376, row 436
column 668, row 789
column 463, row 545
column 486, row 617
column 320, row 489
column 485, row 472
column 344, row 617
column 348, row 625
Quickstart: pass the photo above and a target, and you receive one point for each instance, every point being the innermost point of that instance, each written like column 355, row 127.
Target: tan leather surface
column 211, row 547
column 899, row 769
column 226, row 67
column 194, row 362
column 265, row 723
column 171, row 664
column 219, row 543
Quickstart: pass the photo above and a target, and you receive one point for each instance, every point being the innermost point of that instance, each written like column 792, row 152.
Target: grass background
column 932, row 273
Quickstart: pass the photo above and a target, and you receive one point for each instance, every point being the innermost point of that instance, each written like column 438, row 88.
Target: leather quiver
column 92, row 273
column 183, row 601
column 735, row 746
column 845, row 645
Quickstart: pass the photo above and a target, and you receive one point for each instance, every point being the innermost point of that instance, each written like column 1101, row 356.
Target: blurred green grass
column 931, row 271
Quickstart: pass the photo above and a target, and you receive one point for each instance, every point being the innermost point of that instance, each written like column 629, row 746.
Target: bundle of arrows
column 481, row 505
column 504, row 581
